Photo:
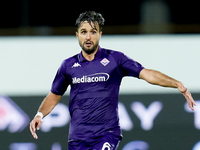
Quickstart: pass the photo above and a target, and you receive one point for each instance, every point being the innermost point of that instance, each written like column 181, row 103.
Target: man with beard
column 95, row 76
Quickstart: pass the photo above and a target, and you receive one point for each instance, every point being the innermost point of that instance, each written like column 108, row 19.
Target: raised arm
column 158, row 78
column 45, row 108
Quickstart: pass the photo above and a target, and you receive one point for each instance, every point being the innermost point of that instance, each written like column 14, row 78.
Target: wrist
column 39, row 114
column 181, row 88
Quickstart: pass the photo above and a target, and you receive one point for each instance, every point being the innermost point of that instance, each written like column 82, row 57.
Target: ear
column 100, row 34
column 77, row 34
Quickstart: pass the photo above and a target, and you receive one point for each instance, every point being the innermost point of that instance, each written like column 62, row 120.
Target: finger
column 190, row 100
column 39, row 125
column 191, row 107
column 192, row 104
column 32, row 129
column 35, row 135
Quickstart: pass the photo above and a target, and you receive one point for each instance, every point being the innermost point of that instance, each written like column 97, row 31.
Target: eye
column 94, row 32
column 83, row 32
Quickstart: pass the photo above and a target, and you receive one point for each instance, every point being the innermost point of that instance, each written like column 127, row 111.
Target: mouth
column 88, row 43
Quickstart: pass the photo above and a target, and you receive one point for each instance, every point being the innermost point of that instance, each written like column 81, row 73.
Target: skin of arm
column 158, row 78
column 45, row 108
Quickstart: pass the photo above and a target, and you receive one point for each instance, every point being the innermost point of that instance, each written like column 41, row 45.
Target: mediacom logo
column 97, row 77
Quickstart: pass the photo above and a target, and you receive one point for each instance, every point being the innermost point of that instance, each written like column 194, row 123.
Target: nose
column 88, row 36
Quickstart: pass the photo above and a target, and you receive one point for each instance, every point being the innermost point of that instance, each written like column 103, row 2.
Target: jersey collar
column 97, row 55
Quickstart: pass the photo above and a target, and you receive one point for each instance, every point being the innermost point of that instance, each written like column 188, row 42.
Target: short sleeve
column 61, row 81
column 130, row 67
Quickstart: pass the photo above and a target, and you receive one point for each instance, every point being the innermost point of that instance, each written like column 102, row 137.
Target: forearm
column 158, row 78
column 49, row 103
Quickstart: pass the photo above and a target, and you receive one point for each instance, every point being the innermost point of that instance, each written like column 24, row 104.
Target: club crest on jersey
column 104, row 61
column 76, row 65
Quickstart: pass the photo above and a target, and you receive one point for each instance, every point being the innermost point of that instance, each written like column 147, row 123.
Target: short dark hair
column 90, row 17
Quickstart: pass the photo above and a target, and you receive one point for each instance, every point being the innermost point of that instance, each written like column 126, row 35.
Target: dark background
column 173, row 127
column 36, row 17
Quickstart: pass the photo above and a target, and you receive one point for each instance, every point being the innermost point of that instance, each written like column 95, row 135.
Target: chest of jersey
column 97, row 74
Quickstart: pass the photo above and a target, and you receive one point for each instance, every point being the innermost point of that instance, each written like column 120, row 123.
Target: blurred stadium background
column 35, row 36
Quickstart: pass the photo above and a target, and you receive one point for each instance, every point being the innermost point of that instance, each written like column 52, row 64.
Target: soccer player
column 95, row 75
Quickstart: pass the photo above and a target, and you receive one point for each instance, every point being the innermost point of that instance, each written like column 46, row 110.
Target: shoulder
column 121, row 58
column 113, row 53
column 118, row 56
column 69, row 62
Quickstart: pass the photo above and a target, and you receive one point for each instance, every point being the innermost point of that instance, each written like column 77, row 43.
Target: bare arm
column 45, row 108
column 158, row 78
column 49, row 103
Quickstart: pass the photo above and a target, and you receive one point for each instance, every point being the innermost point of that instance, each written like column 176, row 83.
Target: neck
column 91, row 56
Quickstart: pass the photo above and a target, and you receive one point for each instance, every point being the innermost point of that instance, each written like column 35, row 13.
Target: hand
column 35, row 124
column 188, row 97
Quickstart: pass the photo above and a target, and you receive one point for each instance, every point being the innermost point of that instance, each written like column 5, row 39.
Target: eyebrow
column 83, row 29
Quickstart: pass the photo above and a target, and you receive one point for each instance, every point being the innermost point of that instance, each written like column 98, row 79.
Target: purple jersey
column 93, row 103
